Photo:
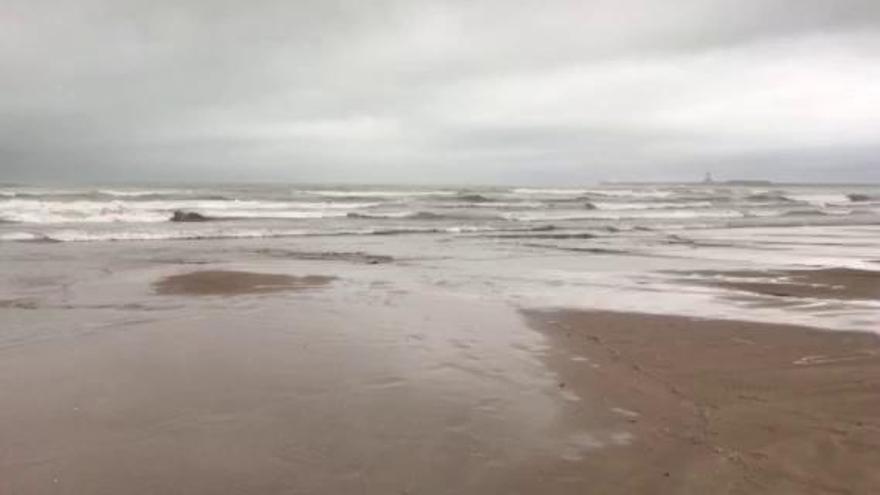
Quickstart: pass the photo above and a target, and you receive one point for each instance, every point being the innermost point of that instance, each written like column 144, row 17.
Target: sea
column 94, row 214
column 608, row 246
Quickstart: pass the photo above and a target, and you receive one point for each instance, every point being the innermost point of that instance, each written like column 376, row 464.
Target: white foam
column 549, row 192
column 278, row 214
column 200, row 231
column 631, row 193
column 376, row 194
column 30, row 191
column 19, row 236
column 37, row 211
column 138, row 193
column 820, row 198
column 620, row 215
column 610, row 193
column 115, row 211
column 651, row 205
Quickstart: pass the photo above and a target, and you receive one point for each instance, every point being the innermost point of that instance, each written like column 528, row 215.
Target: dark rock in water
column 474, row 198
column 769, row 196
column 425, row 215
column 188, row 216
column 590, row 206
column 858, row 197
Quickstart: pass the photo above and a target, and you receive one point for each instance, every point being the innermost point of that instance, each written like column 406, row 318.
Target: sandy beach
column 723, row 406
column 434, row 354
column 253, row 396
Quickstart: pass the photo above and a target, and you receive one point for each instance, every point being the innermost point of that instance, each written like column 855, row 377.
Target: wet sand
column 290, row 392
column 378, row 389
column 828, row 283
column 224, row 282
column 722, row 406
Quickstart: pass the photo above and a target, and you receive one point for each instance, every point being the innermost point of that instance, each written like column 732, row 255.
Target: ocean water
column 143, row 213
column 618, row 247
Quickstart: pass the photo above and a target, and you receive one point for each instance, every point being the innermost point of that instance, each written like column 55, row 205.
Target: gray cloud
column 450, row 91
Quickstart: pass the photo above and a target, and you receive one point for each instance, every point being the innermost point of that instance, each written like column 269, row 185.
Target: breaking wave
column 425, row 215
column 82, row 235
column 143, row 213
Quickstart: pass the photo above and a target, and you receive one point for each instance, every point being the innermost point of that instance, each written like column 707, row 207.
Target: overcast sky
column 499, row 91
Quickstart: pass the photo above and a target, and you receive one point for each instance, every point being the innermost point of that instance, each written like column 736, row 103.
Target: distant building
column 708, row 179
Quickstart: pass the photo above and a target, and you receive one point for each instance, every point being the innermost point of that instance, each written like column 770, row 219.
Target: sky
column 444, row 91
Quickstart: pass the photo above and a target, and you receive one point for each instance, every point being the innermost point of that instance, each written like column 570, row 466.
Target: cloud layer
column 439, row 91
